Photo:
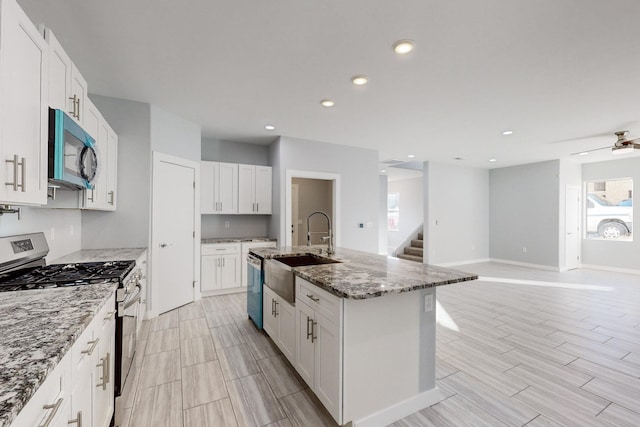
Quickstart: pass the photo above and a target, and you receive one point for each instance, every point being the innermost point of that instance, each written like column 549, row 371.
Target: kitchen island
column 364, row 332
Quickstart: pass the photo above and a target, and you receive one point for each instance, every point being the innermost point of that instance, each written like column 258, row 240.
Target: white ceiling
column 547, row 69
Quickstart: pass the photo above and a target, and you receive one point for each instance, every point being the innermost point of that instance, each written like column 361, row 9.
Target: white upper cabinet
column 67, row 87
column 111, row 169
column 218, row 188
column 24, row 93
column 254, row 189
column 92, row 123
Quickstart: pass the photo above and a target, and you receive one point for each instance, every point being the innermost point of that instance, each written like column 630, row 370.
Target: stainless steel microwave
column 73, row 161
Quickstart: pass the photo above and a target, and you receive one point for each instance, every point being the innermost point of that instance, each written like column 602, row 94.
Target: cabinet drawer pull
column 312, row 298
column 78, row 419
column 54, row 407
column 92, row 347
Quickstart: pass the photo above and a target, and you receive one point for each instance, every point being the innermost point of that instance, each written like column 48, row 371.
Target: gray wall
column 524, row 212
column 239, row 225
column 314, row 195
column 456, row 221
column 129, row 225
column 173, row 135
column 358, row 169
column 411, row 204
column 622, row 255
column 235, row 152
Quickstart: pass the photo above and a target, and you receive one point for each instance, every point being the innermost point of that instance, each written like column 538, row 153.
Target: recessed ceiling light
column 411, row 156
column 327, row 103
column 507, row 132
column 270, row 127
column 359, row 80
column 493, row 160
column 402, row 47
column 383, row 171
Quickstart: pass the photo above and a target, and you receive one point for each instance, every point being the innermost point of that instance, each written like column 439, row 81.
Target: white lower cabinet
column 278, row 320
column 79, row 391
column 220, row 267
column 318, row 321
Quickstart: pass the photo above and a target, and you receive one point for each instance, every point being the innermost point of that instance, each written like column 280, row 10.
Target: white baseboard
column 469, row 261
column 526, row 264
column 613, row 269
column 400, row 410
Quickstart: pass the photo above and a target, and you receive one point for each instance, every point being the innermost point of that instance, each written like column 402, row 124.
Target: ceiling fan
column 622, row 145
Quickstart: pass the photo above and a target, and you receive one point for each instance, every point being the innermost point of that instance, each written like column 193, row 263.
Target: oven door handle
column 128, row 302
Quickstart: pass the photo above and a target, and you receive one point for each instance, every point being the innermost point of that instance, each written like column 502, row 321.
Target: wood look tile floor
column 518, row 347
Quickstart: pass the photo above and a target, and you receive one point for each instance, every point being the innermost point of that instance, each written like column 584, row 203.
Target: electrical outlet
column 428, row 303
column 226, row 224
column 524, row 249
column 361, row 225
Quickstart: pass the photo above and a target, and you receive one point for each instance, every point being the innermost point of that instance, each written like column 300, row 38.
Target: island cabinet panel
column 279, row 322
column 389, row 356
column 319, row 344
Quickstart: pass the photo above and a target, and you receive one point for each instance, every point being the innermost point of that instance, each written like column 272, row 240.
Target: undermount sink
column 306, row 259
column 279, row 277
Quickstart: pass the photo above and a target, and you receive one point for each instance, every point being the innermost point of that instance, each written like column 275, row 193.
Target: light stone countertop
column 38, row 328
column 362, row 275
column 98, row 255
column 236, row 240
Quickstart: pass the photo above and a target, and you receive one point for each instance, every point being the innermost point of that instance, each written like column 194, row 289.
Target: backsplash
column 62, row 228
column 215, row 226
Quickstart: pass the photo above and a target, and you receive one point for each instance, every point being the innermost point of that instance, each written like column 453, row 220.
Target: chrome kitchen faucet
column 327, row 238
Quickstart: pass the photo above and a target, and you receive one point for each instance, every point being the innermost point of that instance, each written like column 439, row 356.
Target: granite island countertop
column 362, row 275
column 236, row 240
column 99, row 255
column 38, row 328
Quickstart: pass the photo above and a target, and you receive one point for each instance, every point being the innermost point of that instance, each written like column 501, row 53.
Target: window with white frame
column 609, row 209
column 393, row 211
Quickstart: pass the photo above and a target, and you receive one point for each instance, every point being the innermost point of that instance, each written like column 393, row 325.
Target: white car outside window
column 606, row 220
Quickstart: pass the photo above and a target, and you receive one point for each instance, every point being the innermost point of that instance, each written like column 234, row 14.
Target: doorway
column 306, row 192
column 175, row 230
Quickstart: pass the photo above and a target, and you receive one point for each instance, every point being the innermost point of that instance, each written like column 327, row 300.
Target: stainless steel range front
column 23, row 267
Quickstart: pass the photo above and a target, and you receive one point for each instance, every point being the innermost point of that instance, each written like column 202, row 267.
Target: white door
column 173, row 232
column 572, row 227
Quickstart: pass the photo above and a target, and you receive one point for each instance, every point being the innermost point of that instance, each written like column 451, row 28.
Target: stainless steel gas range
column 23, row 267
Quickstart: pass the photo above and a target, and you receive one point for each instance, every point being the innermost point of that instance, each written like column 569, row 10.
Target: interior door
column 173, row 232
column 572, row 227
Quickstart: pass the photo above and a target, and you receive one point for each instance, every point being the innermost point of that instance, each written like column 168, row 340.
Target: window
column 609, row 209
column 393, row 211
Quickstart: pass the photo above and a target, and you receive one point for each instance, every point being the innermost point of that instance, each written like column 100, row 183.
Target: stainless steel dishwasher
column 254, row 289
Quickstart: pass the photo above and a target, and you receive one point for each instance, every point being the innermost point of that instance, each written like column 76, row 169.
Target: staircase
column 415, row 251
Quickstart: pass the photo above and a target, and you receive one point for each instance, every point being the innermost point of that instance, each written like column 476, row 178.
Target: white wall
column 174, row 135
column 411, row 204
column 358, row 169
column 456, row 214
column 129, row 225
column 525, row 206
column 611, row 254
column 61, row 227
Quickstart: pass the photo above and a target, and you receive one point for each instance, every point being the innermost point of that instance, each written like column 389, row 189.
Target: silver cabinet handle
column 257, row 207
column 105, row 371
column 24, row 175
column 312, row 298
column 74, row 100
column 54, row 407
column 90, row 198
column 91, row 347
column 309, row 332
column 313, row 331
column 223, row 262
column 14, row 184
column 273, row 307
column 78, row 419
column 78, row 113
column 277, row 303
column 112, row 197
